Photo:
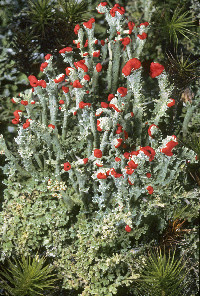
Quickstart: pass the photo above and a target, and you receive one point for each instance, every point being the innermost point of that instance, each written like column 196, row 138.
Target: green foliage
column 72, row 10
column 24, row 51
column 162, row 275
column 193, row 141
column 33, row 222
column 41, row 14
column 91, row 251
column 27, row 277
column 178, row 24
column 182, row 70
column 172, row 26
column 185, row 213
column 190, row 252
column 100, row 258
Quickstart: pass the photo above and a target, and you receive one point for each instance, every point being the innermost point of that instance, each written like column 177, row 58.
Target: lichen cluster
column 92, row 142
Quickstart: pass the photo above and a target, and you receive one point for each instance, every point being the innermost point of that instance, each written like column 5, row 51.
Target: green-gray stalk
column 135, row 85
column 94, row 129
column 109, row 72
column 125, row 57
column 102, row 189
column 81, row 181
column 80, row 39
column 187, row 119
column 161, row 105
column 43, row 103
column 104, row 51
column 44, row 164
column 58, row 152
column 53, row 109
column 104, row 141
column 95, row 85
column 147, row 9
column 29, row 111
column 29, row 167
column 139, row 47
column 90, row 139
column 81, row 128
column 56, row 142
column 163, row 171
column 37, row 158
column 67, row 98
column 129, row 52
column 90, row 34
column 58, row 168
column 115, row 121
column 116, row 65
column 112, row 32
column 41, row 134
column 67, row 200
column 79, row 95
column 64, row 127
column 73, row 182
column 173, row 173
column 44, row 110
